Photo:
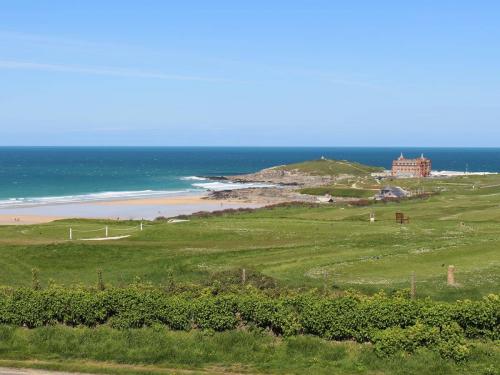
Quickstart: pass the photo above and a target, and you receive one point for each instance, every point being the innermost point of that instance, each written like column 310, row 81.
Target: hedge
column 392, row 323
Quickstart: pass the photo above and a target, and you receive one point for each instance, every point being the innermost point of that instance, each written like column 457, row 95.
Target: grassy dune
column 296, row 246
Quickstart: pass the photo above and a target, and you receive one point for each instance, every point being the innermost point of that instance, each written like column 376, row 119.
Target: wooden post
column 70, row 233
column 100, row 280
column 106, row 231
column 141, row 226
column 451, row 275
column 243, row 276
column 413, row 286
column 325, row 281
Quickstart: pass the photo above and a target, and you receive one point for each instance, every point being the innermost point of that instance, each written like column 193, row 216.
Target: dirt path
column 23, row 371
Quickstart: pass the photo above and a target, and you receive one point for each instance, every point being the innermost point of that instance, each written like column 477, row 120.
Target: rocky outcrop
column 287, row 181
column 263, row 195
column 278, row 176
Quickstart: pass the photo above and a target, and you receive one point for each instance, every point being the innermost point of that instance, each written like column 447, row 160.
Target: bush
column 449, row 340
column 393, row 323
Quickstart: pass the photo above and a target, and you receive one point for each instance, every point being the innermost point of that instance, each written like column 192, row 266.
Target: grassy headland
column 328, row 167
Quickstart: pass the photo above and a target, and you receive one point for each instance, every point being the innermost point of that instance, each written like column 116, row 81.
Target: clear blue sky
column 285, row 73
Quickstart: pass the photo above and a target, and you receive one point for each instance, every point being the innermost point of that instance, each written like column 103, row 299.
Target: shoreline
column 139, row 208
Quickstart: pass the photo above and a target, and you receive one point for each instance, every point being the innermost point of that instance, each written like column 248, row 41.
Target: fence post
column 243, row 276
column 451, row 275
column 413, row 286
column 70, row 233
column 100, row 280
column 325, row 281
column 106, row 231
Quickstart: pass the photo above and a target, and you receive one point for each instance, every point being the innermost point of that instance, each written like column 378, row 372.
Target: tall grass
column 253, row 352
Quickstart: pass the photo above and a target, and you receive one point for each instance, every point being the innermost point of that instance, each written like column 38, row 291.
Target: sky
column 250, row 73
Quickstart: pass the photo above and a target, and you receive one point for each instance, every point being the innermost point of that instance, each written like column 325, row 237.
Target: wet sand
column 136, row 209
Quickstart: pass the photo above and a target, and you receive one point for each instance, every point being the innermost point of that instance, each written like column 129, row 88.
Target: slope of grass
column 299, row 247
column 158, row 350
column 339, row 192
column 328, row 246
column 327, row 167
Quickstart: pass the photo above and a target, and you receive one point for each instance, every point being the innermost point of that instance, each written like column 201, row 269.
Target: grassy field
column 299, row 247
column 329, row 167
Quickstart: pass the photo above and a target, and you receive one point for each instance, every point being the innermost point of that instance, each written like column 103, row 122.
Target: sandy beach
column 123, row 209
column 8, row 219
column 175, row 200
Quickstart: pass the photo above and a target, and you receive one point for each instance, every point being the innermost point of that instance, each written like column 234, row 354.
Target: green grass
column 158, row 350
column 329, row 167
column 339, row 192
column 296, row 246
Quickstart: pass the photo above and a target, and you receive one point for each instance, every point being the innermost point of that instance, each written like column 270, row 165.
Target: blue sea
column 32, row 175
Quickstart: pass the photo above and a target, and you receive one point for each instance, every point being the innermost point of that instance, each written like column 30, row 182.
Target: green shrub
column 449, row 340
column 393, row 323
column 393, row 340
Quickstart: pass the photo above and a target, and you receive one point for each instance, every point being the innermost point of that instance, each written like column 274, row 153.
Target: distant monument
column 420, row 167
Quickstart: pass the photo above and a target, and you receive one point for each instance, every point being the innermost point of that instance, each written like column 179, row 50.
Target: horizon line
column 229, row 146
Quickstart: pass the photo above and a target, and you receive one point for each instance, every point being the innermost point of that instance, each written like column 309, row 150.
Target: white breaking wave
column 218, row 185
column 116, row 195
column 458, row 173
column 193, row 178
column 222, row 184
column 94, row 197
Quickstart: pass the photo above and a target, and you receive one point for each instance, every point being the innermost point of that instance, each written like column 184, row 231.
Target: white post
column 141, row 226
column 106, row 231
column 70, row 233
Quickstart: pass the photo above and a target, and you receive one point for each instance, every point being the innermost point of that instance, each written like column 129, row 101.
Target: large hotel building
column 420, row 167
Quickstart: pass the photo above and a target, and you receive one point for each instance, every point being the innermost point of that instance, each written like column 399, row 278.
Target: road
column 17, row 371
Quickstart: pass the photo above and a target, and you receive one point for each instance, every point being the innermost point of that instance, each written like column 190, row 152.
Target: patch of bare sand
column 181, row 200
column 26, row 219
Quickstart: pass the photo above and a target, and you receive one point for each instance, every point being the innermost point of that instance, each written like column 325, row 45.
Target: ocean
column 43, row 175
